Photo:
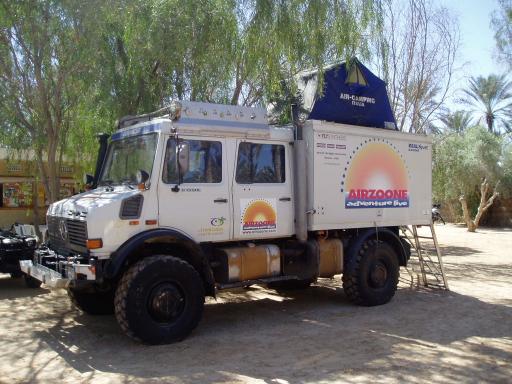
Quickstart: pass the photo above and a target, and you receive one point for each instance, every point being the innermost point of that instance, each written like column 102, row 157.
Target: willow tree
column 41, row 67
column 225, row 51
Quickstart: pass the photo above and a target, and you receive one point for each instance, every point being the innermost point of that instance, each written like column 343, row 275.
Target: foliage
column 461, row 162
column 43, row 61
column 69, row 69
column 502, row 24
column 455, row 122
column 491, row 99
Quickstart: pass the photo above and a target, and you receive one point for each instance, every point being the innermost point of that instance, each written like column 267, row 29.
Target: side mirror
column 142, row 176
column 183, row 158
column 88, row 181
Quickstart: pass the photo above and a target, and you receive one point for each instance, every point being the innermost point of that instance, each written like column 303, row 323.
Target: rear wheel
column 16, row 275
column 371, row 276
column 93, row 303
column 159, row 300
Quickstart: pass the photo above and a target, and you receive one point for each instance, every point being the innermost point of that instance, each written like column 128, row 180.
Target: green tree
column 455, row 122
column 465, row 168
column 491, row 99
column 226, row 51
column 42, row 66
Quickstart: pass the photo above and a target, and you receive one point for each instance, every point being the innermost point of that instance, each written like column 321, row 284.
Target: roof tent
column 354, row 96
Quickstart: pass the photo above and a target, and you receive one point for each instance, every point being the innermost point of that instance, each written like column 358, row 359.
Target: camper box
column 366, row 177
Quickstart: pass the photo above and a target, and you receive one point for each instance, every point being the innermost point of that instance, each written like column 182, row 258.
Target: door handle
column 285, row 199
column 220, row 200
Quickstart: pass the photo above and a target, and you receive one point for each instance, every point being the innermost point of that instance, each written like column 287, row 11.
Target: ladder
column 430, row 262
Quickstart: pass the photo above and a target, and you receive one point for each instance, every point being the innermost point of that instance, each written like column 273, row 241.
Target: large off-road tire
column 30, row 282
column 291, row 285
column 97, row 303
column 159, row 300
column 371, row 275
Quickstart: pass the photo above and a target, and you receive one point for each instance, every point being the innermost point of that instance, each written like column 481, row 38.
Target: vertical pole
column 300, row 178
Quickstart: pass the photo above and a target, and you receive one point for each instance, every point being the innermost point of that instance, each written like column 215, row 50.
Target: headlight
column 8, row 241
column 30, row 242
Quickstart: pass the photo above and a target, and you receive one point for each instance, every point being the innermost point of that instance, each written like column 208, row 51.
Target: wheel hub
column 378, row 275
column 166, row 303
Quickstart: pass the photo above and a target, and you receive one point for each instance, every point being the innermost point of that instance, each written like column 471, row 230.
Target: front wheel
column 159, row 300
column 371, row 275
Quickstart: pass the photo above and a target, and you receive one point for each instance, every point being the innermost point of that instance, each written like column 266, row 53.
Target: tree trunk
column 484, row 205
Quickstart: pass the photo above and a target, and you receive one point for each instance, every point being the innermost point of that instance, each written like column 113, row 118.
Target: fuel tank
column 331, row 257
column 235, row 264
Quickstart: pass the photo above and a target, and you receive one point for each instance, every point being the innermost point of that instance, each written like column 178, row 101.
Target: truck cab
column 203, row 197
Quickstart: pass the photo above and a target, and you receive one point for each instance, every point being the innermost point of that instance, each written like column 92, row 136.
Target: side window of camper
column 260, row 163
column 199, row 162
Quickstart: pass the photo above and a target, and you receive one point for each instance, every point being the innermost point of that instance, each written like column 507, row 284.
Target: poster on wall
column 17, row 195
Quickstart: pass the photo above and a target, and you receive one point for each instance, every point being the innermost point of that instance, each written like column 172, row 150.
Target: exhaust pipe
column 300, row 179
column 102, row 152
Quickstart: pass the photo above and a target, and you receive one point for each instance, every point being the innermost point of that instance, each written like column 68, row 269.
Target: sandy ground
column 257, row 336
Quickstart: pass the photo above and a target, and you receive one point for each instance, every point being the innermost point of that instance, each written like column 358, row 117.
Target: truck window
column 201, row 164
column 260, row 163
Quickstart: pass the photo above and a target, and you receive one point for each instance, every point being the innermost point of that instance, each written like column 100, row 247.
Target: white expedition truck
column 200, row 197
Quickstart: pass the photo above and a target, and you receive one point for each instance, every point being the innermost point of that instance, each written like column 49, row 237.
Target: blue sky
column 477, row 54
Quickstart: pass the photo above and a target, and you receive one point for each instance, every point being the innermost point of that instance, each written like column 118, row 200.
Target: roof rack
column 172, row 110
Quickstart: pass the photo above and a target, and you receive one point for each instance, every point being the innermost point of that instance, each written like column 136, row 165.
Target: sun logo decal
column 375, row 176
column 258, row 215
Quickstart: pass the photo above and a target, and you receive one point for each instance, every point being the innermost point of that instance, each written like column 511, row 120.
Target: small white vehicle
column 198, row 197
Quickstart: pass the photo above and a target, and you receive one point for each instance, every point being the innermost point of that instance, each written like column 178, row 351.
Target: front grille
column 131, row 207
column 77, row 233
column 74, row 237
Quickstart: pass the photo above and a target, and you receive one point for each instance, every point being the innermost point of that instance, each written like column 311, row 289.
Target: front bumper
column 56, row 271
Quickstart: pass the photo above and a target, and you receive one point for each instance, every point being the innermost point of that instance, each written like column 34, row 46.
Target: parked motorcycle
column 436, row 214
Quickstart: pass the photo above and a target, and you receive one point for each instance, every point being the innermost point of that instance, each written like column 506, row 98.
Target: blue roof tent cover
column 355, row 97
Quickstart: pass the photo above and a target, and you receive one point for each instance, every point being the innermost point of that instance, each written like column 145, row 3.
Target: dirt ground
column 257, row 336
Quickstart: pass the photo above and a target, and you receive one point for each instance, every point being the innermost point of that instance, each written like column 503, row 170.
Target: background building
column 19, row 188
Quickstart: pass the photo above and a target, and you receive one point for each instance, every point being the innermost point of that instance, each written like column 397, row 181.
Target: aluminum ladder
column 430, row 262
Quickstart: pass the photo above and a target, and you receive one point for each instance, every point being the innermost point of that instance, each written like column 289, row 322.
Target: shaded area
column 256, row 335
column 15, row 288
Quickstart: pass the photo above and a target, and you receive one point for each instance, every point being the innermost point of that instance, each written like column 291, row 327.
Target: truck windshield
column 126, row 156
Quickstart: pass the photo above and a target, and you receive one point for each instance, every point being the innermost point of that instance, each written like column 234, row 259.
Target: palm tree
column 457, row 122
column 491, row 98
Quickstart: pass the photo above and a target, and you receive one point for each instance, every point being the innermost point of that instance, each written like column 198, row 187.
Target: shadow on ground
column 15, row 288
column 314, row 333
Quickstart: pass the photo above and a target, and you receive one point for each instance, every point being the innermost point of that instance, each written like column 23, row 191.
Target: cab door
column 262, row 190
column 193, row 194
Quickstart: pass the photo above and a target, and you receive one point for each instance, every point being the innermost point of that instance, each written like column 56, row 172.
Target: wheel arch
column 161, row 240
column 388, row 235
